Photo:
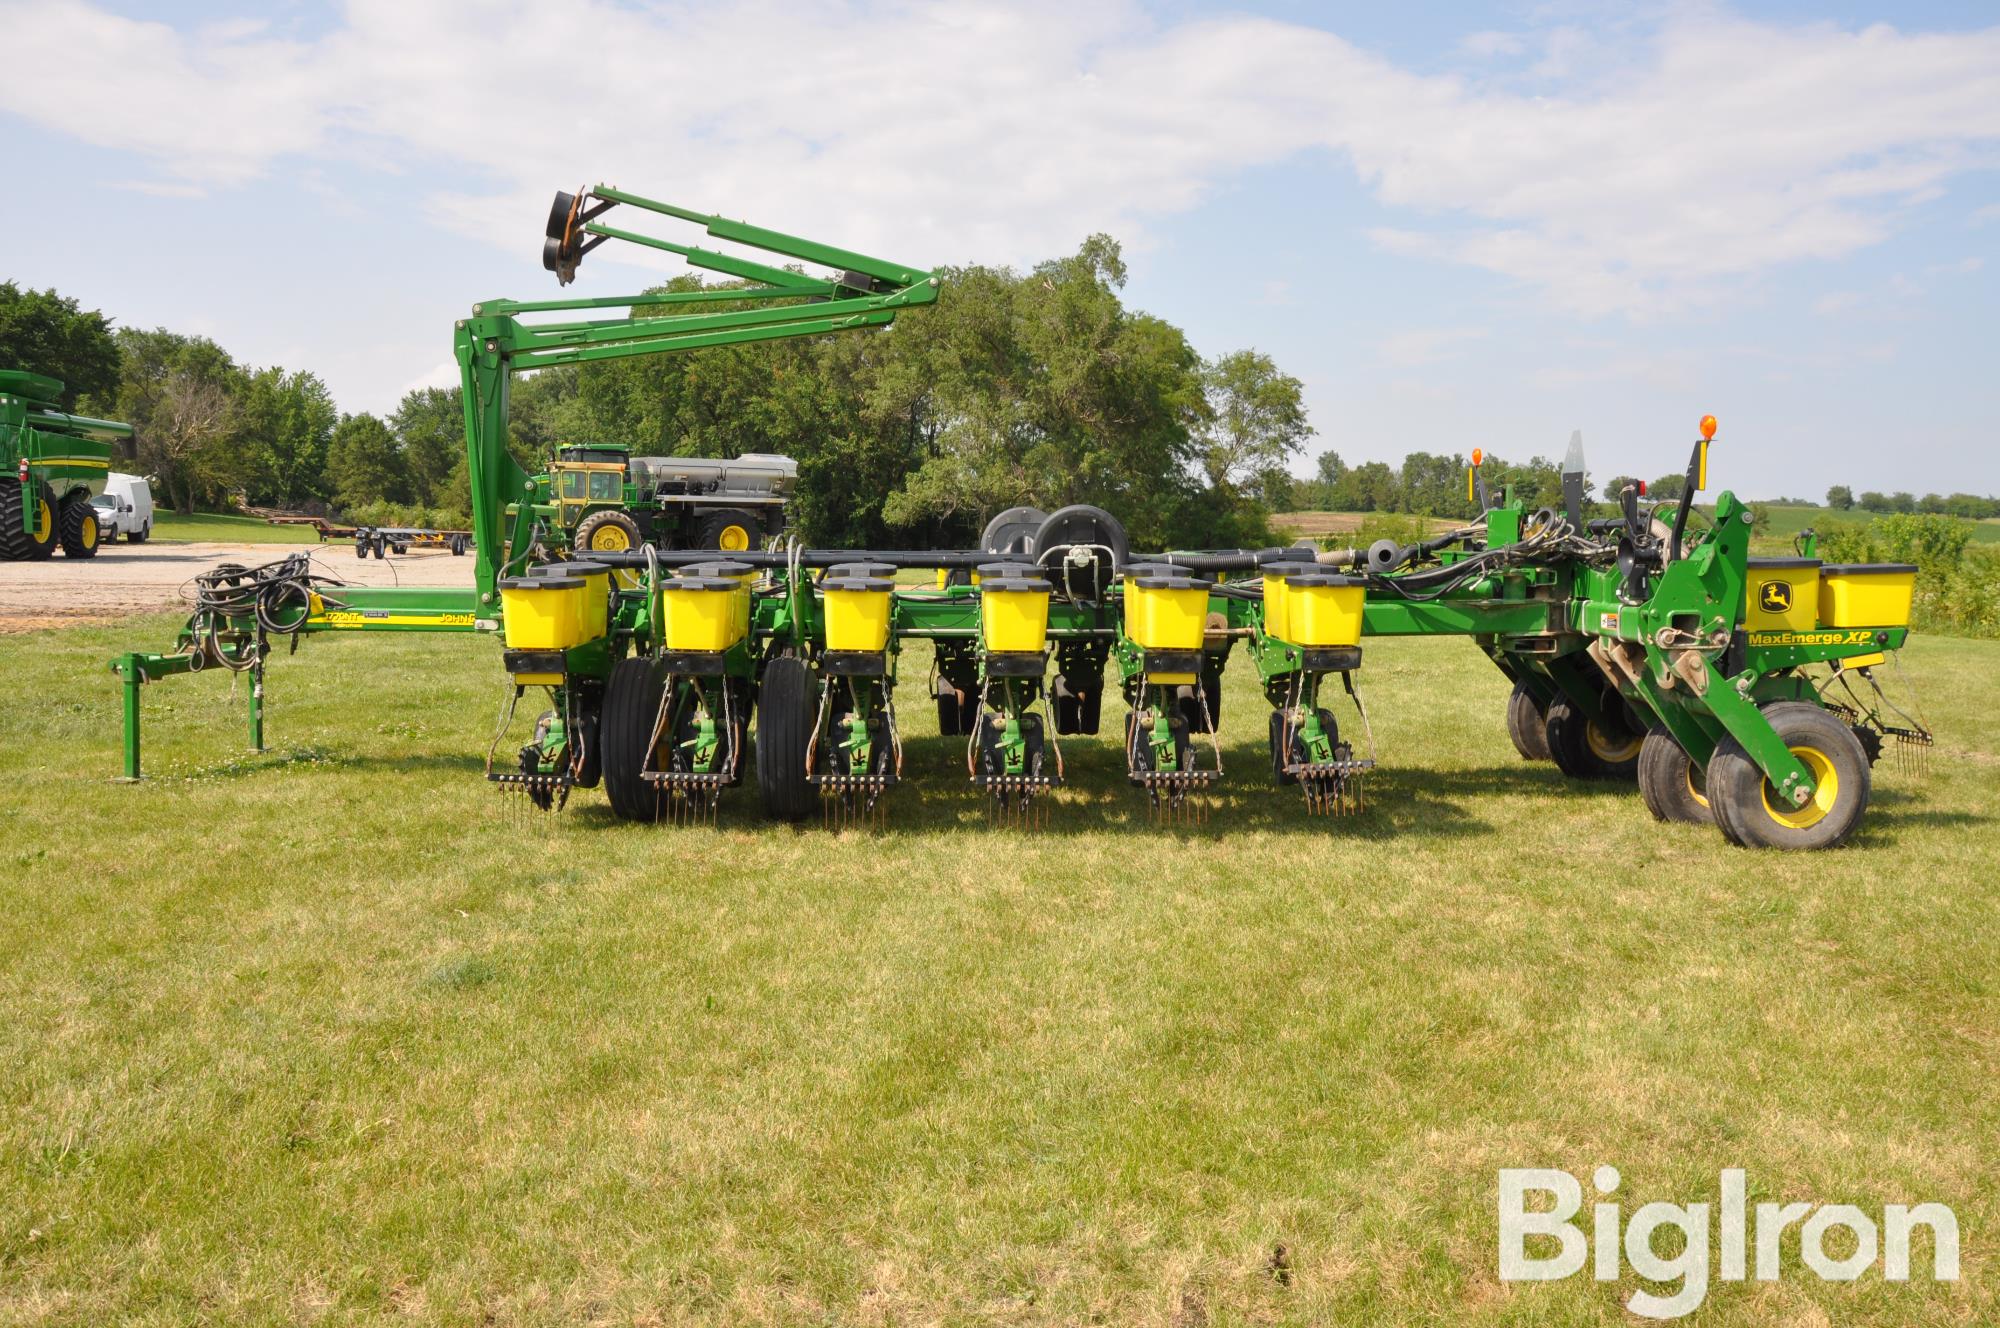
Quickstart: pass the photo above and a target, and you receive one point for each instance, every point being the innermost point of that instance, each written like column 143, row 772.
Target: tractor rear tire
column 78, row 529
column 608, row 531
column 1670, row 783
column 16, row 544
column 1527, row 725
column 1750, row 811
column 625, row 736
column 785, row 712
column 1584, row 749
column 730, row 529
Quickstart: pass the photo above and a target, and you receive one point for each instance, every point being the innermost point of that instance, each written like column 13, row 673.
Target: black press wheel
column 1583, row 748
column 1281, row 748
column 957, row 711
column 1527, row 725
column 625, row 737
column 1672, row 785
column 1754, row 814
column 785, row 712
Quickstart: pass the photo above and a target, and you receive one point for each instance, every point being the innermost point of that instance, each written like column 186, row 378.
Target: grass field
column 222, row 528
column 324, row 1035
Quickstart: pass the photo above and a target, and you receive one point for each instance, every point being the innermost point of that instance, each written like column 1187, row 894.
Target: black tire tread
column 785, row 711
column 624, row 732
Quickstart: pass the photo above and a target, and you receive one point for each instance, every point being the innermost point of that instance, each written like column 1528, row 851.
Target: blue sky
column 1479, row 225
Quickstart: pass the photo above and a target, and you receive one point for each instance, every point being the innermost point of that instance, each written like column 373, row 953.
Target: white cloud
column 949, row 134
column 1428, row 345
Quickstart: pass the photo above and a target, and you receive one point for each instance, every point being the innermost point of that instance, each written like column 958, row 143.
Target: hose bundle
column 276, row 597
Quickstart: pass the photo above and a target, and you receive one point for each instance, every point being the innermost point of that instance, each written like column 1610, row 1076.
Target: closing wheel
column 79, row 528
column 1584, row 748
column 786, row 704
column 625, row 735
column 1527, row 725
column 730, row 529
column 1760, row 816
column 1672, row 785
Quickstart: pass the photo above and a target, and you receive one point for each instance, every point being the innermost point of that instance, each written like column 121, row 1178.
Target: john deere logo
column 1774, row 596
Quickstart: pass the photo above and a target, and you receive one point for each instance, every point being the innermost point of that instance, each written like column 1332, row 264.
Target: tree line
column 1038, row 387
column 1971, row 506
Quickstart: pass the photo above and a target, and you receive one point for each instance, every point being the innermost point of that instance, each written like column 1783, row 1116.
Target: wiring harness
column 238, row 609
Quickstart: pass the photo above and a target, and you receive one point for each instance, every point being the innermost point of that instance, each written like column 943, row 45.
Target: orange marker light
column 1707, row 427
column 1477, row 456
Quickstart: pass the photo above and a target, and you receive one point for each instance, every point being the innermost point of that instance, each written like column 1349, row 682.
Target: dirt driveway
column 124, row 579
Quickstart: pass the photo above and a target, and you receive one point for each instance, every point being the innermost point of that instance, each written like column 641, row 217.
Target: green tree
column 1840, row 498
column 182, row 396
column 429, row 424
column 46, row 333
column 287, row 422
column 364, row 463
column 1667, row 488
column 1432, row 484
column 1255, row 421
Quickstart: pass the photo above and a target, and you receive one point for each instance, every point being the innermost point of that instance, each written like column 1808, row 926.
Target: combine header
column 1649, row 646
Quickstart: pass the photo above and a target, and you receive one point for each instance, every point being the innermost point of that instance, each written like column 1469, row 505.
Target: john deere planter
column 1737, row 692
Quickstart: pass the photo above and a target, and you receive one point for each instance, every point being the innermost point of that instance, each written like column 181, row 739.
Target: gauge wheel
column 1753, row 813
column 1527, row 725
column 1584, row 748
column 1673, row 786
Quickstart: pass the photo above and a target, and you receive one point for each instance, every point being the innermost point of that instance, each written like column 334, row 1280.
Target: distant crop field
column 327, row 1034
column 1785, row 522
column 222, row 528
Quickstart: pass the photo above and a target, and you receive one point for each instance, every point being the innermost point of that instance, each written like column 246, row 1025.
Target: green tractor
column 52, row 464
column 607, row 500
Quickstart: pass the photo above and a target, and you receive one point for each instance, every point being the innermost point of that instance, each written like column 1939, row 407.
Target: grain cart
column 52, row 464
column 1737, row 692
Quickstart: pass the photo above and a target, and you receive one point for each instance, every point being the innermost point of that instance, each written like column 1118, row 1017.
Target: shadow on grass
column 937, row 796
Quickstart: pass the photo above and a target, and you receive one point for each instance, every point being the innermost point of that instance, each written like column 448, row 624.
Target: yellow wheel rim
column 610, row 538
column 1826, row 792
column 1695, row 784
column 734, row 538
column 1607, row 748
column 88, row 534
column 45, row 521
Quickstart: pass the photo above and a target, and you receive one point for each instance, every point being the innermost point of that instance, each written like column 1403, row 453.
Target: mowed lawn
column 325, row 1035
column 226, row 528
